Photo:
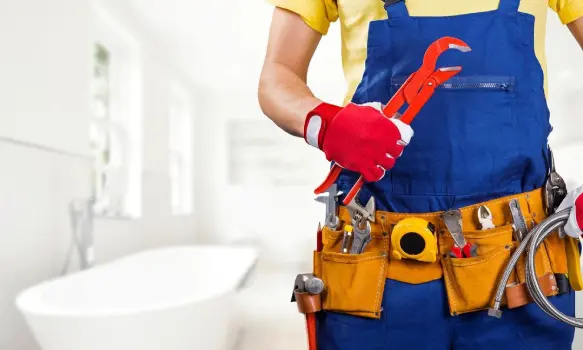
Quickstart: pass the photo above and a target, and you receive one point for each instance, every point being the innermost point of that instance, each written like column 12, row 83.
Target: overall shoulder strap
column 396, row 9
column 509, row 6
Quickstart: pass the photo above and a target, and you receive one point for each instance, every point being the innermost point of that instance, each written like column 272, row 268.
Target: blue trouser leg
column 525, row 328
column 416, row 317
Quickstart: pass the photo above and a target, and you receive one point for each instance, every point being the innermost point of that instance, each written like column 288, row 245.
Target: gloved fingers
column 572, row 227
column 395, row 150
column 404, row 129
column 568, row 202
column 387, row 162
column 376, row 105
column 571, row 198
column 373, row 173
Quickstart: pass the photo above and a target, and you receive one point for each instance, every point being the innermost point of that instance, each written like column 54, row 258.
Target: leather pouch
column 550, row 258
column 471, row 282
column 354, row 283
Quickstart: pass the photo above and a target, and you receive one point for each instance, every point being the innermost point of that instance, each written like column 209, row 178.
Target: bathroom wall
column 281, row 218
column 44, row 116
column 45, row 44
column 565, row 88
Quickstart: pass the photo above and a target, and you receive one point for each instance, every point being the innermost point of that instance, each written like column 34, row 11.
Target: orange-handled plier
column 416, row 91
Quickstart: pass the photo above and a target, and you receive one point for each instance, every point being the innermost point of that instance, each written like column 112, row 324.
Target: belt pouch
column 471, row 282
column 354, row 283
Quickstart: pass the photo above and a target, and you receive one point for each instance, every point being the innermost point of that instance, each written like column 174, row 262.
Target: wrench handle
column 330, row 179
column 358, row 242
column 354, row 190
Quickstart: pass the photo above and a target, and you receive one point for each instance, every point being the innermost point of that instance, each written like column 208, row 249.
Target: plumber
column 481, row 141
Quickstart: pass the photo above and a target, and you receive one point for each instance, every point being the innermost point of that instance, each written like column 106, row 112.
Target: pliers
column 461, row 248
column 416, row 91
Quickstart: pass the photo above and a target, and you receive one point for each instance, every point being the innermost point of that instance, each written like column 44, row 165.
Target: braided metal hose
column 531, row 243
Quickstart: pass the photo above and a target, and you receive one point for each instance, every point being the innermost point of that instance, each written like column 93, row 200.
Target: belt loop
column 396, row 9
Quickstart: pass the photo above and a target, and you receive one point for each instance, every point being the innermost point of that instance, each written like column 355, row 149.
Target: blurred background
column 150, row 107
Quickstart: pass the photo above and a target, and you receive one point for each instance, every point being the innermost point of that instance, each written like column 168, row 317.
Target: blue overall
column 482, row 135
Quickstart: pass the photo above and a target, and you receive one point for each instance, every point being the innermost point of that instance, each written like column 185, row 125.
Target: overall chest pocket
column 473, row 101
column 486, row 83
column 468, row 118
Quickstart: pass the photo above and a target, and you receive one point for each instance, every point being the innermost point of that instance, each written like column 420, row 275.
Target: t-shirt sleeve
column 318, row 14
column 568, row 10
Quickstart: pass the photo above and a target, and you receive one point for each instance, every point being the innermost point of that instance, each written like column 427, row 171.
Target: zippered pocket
column 481, row 83
column 466, row 119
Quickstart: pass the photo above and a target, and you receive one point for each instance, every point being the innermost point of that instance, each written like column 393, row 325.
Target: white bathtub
column 178, row 298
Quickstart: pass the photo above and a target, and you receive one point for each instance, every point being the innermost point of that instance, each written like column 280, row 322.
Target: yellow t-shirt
column 355, row 16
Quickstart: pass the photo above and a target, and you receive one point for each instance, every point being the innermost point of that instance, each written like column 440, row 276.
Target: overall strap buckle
column 396, row 9
column 391, row 2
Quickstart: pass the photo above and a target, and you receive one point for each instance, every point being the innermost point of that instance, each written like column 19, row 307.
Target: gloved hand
column 574, row 199
column 358, row 137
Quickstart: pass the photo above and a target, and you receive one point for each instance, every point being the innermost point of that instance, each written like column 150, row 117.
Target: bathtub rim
column 29, row 303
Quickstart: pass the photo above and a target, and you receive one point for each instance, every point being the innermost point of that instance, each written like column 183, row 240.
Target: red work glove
column 358, row 137
column 574, row 200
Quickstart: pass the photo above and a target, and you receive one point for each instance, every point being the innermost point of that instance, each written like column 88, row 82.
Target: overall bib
column 483, row 135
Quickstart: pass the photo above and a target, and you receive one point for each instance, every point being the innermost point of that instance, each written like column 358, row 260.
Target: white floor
column 270, row 321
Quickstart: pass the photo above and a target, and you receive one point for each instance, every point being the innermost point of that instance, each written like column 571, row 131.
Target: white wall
column 229, row 63
column 45, row 61
column 565, row 67
column 44, row 110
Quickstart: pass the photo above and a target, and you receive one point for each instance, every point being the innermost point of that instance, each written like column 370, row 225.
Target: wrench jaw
column 330, row 199
column 361, row 219
column 462, row 48
column 443, row 74
column 440, row 46
column 485, row 218
column 366, row 213
column 361, row 238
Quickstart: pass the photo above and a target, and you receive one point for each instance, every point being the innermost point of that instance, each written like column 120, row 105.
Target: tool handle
column 311, row 330
column 330, row 179
column 468, row 251
column 354, row 190
column 357, row 244
column 457, row 252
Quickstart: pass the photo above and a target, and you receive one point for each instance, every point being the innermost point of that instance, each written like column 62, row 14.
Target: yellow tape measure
column 414, row 238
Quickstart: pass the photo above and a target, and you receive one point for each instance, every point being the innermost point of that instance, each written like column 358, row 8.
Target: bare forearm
column 285, row 98
column 576, row 28
column 283, row 92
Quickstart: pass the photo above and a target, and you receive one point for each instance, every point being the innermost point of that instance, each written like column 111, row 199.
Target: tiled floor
column 269, row 320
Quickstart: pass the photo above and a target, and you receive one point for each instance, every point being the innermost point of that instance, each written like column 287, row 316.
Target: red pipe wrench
column 416, row 91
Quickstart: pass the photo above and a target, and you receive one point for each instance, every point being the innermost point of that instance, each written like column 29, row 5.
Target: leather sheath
column 517, row 295
column 308, row 303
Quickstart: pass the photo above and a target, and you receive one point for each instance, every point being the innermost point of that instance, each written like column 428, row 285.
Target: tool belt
column 355, row 282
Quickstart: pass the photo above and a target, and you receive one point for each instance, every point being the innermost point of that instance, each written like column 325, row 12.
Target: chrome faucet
column 81, row 215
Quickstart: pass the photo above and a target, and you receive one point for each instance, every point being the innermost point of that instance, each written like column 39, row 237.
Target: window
column 180, row 152
column 115, row 127
column 98, row 133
